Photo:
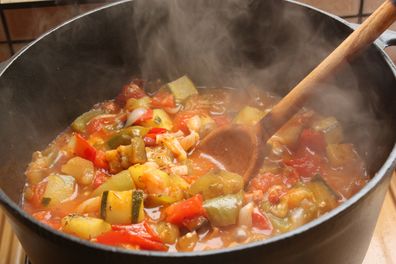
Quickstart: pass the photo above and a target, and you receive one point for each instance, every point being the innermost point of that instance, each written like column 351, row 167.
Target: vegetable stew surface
column 128, row 174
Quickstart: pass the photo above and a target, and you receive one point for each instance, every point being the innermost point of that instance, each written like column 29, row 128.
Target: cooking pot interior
column 271, row 44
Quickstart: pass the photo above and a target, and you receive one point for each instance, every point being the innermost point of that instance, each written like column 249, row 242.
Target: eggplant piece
column 341, row 154
column 223, row 210
column 217, row 183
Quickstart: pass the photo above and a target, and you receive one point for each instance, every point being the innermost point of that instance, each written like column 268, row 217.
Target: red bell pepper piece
column 86, row 151
column 137, row 234
column 157, row 130
column 176, row 213
column 149, row 140
column 260, row 221
column 163, row 99
column 83, row 149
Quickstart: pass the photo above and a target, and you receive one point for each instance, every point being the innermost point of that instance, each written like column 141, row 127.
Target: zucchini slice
column 84, row 227
column 122, row 181
column 122, row 207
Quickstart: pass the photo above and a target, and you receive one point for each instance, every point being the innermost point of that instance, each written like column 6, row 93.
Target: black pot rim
column 386, row 169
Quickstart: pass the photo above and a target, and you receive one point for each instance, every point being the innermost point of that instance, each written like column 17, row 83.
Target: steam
column 229, row 43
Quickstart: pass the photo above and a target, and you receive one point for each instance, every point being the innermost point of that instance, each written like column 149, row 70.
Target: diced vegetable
column 125, row 135
column 168, row 232
column 217, row 183
column 138, row 115
column 130, row 90
column 122, row 181
column 195, row 223
column 159, row 119
column 313, row 140
column 288, row 134
column 331, row 129
column 84, row 227
column 83, row 149
column 163, row 99
column 190, row 208
column 154, row 181
column 340, row 154
column 182, row 88
column 223, row 210
column 80, row 122
column 81, row 169
column 245, row 215
column 260, row 221
column 280, row 225
column 160, row 155
column 139, row 235
column 124, row 207
column 90, row 206
column 133, row 103
column 248, row 116
column 187, row 242
column 58, row 189
column 125, row 156
column 325, row 198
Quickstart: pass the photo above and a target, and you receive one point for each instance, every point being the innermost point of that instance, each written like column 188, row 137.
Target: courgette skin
column 103, row 204
column 137, row 205
column 122, row 208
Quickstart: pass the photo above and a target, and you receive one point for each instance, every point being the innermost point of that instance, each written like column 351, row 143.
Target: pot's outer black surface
column 64, row 73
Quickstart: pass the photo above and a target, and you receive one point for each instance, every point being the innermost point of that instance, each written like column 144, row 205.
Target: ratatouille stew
column 127, row 173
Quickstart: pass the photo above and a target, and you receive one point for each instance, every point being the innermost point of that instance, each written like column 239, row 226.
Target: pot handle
column 387, row 39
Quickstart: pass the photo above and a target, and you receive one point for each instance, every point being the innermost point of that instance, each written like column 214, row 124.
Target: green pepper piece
column 118, row 140
column 80, row 122
column 223, row 210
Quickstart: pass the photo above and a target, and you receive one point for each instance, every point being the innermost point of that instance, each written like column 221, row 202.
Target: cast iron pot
column 86, row 60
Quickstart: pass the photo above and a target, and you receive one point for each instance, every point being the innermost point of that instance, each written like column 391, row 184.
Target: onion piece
column 173, row 110
column 245, row 215
column 135, row 115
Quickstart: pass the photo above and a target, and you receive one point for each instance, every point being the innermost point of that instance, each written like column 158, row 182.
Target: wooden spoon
column 241, row 150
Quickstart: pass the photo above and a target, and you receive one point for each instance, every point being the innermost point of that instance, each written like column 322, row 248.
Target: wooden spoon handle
column 360, row 39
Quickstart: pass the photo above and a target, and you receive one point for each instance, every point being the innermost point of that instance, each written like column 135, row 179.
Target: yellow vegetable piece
column 84, row 227
column 59, row 188
column 81, row 169
column 160, row 119
column 122, row 181
column 248, row 116
column 182, row 88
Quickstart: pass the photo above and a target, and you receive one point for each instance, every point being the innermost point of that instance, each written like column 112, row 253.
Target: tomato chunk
column 163, row 99
column 130, row 90
column 260, row 221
